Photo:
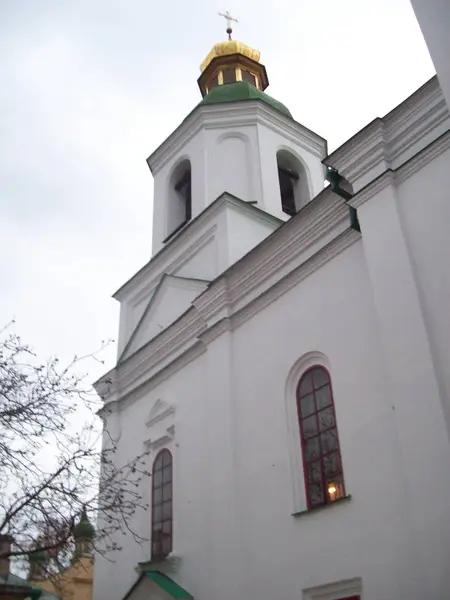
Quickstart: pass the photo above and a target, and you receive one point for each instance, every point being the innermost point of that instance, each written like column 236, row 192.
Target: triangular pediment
column 159, row 411
column 172, row 297
column 156, row 585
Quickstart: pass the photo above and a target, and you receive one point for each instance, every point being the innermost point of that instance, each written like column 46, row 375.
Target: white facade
column 218, row 328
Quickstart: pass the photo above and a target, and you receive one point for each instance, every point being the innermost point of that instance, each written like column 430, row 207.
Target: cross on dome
column 226, row 15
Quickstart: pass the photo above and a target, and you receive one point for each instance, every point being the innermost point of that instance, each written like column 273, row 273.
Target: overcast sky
column 89, row 88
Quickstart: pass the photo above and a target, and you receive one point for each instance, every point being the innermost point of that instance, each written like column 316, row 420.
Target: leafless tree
column 50, row 458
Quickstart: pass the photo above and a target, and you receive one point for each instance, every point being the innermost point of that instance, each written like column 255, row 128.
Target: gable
column 172, row 297
column 154, row 585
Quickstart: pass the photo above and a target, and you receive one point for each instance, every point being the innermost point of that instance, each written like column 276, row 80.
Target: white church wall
column 332, row 311
column 234, row 486
column 411, row 372
column 187, row 393
column 230, row 159
column 425, row 213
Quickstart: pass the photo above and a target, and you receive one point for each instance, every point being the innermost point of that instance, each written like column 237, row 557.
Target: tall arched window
column 162, row 493
column 293, row 183
column 322, row 463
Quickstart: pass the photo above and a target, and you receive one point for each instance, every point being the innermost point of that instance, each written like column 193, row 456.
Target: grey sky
column 89, row 88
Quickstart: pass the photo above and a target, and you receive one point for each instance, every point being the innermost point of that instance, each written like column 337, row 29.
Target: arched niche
column 293, row 181
column 179, row 206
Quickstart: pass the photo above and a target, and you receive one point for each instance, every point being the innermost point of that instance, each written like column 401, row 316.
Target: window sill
column 321, row 507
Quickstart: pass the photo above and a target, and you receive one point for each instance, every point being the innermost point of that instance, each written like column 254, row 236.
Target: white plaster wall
column 234, row 528
column 369, row 537
column 230, row 163
column 425, row 213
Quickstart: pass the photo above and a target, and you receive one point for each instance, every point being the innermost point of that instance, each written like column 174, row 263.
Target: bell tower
column 227, row 177
column 239, row 140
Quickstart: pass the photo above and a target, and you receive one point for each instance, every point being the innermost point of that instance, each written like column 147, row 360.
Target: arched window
column 180, row 197
column 162, row 493
column 322, row 463
column 293, row 182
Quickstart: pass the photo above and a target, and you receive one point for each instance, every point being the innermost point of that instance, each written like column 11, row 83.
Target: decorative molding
column 196, row 286
column 421, row 159
column 388, row 141
column 294, row 277
column 391, row 177
column 170, row 259
column 318, row 233
column 372, row 189
column 334, row 591
column 235, row 115
column 160, row 441
column 160, row 411
column 198, row 233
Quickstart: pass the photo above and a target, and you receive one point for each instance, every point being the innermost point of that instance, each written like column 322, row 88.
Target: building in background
column 284, row 355
column 73, row 583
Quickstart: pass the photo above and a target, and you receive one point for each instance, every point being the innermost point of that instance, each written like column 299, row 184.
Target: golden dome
column 227, row 48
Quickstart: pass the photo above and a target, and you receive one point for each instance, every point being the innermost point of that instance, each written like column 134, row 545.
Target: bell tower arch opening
column 179, row 207
column 293, row 182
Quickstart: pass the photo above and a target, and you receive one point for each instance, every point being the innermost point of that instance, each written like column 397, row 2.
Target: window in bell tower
column 214, row 81
column 179, row 207
column 248, row 77
column 229, row 75
column 293, row 183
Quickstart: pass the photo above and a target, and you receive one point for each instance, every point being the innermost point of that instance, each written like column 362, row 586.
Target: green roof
column 35, row 591
column 84, row 529
column 239, row 91
column 168, row 585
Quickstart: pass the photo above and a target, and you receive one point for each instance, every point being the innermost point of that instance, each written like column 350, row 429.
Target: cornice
column 372, row 189
column 270, row 261
column 234, row 114
column 421, row 159
column 309, row 266
column 290, row 254
column 390, row 140
column 402, row 173
column 151, row 376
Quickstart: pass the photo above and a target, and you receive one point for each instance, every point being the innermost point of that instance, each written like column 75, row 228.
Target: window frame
column 161, row 554
column 323, row 479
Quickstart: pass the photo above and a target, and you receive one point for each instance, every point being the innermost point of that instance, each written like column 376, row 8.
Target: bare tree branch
column 49, row 465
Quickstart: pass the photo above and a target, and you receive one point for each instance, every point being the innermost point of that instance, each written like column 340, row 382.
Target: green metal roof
column 84, row 529
column 35, row 591
column 167, row 584
column 239, row 91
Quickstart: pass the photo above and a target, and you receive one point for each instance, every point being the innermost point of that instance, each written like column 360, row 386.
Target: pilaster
column 411, row 378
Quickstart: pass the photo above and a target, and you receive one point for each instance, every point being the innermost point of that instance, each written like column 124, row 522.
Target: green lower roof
column 239, row 91
column 35, row 591
column 168, row 585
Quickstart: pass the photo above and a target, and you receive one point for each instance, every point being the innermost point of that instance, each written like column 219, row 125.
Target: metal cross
column 226, row 15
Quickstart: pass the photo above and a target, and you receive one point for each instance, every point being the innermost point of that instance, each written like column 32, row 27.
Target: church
column 284, row 355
